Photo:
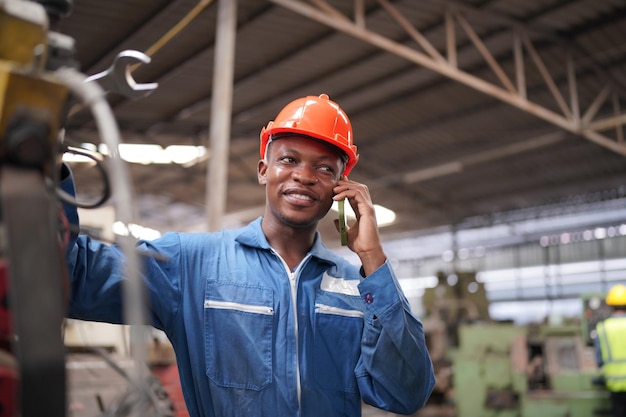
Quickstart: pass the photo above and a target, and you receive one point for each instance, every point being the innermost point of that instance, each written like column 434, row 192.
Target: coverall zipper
column 326, row 309
column 248, row 308
column 293, row 279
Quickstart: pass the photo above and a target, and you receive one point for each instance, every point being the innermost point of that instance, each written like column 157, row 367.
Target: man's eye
column 288, row 159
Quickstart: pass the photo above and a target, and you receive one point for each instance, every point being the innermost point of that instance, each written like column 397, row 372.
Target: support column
column 221, row 113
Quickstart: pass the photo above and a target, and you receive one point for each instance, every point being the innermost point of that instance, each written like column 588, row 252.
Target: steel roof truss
column 516, row 95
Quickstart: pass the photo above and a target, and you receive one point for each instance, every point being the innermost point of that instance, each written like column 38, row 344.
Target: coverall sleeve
column 395, row 371
column 96, row 273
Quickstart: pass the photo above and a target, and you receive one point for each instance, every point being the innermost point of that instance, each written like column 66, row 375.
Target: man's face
column 299, row 175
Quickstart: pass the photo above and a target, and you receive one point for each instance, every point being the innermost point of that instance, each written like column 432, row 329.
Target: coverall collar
column 253, row 236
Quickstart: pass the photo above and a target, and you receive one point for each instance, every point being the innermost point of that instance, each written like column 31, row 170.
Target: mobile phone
column 342, row 222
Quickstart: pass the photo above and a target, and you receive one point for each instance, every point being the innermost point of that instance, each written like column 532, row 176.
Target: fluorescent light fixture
column 73, row 158
column 384, row 216
column 139, row 153
column 140, row 232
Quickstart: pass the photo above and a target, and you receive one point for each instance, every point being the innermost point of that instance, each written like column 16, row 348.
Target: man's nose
column 305, row 175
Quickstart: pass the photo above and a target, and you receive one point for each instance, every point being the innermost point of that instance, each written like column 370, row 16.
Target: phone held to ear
column 342, row 222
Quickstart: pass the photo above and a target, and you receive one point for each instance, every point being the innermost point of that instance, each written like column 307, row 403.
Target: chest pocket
column 337, row 341
column 238, row 335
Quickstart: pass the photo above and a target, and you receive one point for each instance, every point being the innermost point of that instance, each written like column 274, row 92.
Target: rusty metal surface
column 36, row 289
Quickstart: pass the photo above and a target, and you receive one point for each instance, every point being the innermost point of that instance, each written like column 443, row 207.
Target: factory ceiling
column 462, row 111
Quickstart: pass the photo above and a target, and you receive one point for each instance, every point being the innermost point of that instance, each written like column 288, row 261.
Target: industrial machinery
column 458, row 299
column 538, row 370
column 32, row 108
column 499, row 369
column 39, row 84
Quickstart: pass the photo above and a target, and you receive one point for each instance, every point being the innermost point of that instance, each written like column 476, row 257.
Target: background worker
column 611, row 349
column 265, row 320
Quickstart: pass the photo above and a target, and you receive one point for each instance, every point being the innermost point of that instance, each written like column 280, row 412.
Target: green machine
column 498, row 369
column 503, row 370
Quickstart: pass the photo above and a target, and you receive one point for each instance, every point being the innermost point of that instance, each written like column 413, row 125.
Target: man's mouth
column 299, row 199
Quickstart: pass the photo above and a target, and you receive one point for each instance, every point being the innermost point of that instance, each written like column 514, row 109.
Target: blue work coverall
column 253, row 338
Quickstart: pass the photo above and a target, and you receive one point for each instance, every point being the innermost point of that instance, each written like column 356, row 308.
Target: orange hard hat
column 316, row 117
column 617, row 295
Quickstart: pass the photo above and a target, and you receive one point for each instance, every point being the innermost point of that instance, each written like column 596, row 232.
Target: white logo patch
column 340, row 285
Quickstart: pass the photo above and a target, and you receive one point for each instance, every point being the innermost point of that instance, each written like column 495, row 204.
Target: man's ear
column 262, row 171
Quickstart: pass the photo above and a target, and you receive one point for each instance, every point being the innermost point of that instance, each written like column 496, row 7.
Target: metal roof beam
column 459, row 165
column 568, row 118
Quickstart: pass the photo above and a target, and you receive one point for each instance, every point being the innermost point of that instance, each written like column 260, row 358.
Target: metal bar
column 455, row 74
column 619, row 129
column 604, row 141
column 515, row 148
column 484, row 51
column 607, row 123
column 573, row 89
column 359, row 13
column 482, row 157
column 221, row 109
column 451, row 38
column 547, row 77
column 427, row 62
column 520, row 71
column 323, row 5
column 533, row 29
column 414, row 33
column 595, row 105
column 432, row 172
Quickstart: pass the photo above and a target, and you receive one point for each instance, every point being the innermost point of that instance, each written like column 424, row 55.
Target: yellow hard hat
column 617, row 295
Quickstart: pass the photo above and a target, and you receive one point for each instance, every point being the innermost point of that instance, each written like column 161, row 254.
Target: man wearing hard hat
column 266, row 320
column 611, row 349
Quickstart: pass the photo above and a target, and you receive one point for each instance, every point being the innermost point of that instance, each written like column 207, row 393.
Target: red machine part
column 168, row 375
column 5, row 317
column 9, row 379
column 8, row 385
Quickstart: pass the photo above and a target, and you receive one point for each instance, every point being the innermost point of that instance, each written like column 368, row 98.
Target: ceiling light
column 139, row 232
column 145, row 154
